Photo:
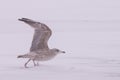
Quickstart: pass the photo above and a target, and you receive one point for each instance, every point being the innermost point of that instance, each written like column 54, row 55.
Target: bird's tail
column 20, row 56
column 23, row 56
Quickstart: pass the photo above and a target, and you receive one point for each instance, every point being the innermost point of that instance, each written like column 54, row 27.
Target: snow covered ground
column 88, row 30
column 92, row 52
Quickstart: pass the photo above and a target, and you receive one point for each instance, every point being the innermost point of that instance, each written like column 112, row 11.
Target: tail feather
column 26, row 56
column 20, row 56
column 23, row 56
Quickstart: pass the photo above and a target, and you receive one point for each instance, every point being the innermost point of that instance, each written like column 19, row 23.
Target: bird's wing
column 41, row 35
column 41, row 38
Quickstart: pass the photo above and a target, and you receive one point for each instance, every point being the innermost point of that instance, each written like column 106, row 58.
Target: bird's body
column 39, row 50
column 41, row 55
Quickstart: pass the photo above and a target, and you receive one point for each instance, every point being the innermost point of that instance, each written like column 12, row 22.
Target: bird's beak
column 62, row 51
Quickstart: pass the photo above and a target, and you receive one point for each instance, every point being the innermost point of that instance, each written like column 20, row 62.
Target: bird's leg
column 27, row 63
column 37, row 63
column 34, row 63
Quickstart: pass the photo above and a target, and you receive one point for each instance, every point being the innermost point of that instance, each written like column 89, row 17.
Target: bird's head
column 57, row 51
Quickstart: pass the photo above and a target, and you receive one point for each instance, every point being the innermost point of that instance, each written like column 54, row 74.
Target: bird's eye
column 38, row 22
column 57, row 50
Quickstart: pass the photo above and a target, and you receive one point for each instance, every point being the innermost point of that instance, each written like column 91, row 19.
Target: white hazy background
column 88, row 30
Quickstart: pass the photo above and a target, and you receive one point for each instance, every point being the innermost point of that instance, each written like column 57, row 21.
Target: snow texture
column 89, row 32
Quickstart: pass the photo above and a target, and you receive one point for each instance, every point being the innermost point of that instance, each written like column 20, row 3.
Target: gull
column 39, row 50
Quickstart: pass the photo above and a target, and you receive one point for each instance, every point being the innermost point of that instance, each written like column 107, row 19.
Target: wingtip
column 21, row 19
column 26, row 20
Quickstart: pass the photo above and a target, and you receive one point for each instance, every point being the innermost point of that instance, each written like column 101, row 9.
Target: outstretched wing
column 41, row 35
column 40, row 39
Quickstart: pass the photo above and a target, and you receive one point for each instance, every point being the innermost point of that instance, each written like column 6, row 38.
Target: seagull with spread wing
column 39, row 50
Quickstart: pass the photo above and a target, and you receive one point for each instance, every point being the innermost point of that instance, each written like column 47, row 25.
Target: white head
column 57, row 51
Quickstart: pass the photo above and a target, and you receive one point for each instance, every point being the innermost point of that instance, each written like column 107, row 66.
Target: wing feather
column 40, row 39
column 41, row 35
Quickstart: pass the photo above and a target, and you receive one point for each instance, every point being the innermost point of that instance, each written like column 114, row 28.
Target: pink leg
column 27, row 63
